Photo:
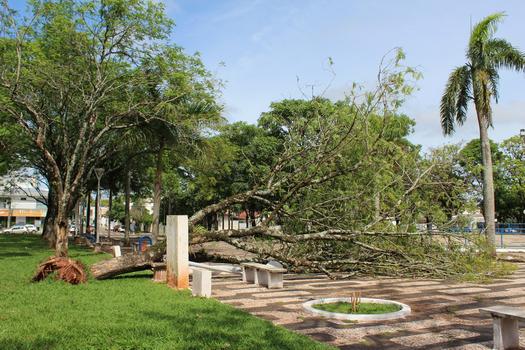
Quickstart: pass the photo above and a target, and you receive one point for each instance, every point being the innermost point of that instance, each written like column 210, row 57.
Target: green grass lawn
column 363, row 308
column 128, row 312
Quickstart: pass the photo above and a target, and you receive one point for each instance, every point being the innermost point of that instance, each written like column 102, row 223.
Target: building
column 22, row 204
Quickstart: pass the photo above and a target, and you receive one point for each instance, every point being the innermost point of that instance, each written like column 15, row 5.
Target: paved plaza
column 444, row 315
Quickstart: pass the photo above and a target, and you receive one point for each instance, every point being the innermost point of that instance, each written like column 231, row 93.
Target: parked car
column 119, row 228
column 16, row 229
column 31, row 229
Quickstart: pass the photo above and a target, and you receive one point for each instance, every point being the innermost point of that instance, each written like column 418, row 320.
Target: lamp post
column 98, row 173
column 9, row 213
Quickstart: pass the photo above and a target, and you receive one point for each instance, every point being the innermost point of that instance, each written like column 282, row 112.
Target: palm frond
column 493, row 82
column 502, row 54
column 485, row 29
column 463, row 97
column 454, row 101
column 481, row 33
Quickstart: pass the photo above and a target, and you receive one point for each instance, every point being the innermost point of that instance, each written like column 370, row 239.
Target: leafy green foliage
column 471, row 162
column 509, row 170
column 511, row 198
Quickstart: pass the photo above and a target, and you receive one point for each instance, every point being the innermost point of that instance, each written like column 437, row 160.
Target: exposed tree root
column 68, row 270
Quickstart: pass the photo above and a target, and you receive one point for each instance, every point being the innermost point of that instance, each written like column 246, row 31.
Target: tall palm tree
column 477, row 81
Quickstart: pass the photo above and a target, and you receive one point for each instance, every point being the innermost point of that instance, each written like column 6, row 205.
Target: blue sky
column 266, row 44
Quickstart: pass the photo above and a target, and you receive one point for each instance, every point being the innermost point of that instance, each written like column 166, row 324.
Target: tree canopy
column 78, row 77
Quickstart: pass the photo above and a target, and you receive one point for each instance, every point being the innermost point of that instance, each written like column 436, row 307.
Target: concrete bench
column 264, row 275
column 505, row 324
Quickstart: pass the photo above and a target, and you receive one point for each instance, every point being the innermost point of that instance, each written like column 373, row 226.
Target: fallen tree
column 341, row 175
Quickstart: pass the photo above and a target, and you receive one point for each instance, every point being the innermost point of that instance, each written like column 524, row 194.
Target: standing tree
column 191, row 90
column 477, row 81
column 72, row 78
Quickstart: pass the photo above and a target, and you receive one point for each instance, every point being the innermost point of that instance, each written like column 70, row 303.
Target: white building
column 21, row 204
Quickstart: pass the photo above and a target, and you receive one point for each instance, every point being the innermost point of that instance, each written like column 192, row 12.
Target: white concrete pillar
column 177, row 265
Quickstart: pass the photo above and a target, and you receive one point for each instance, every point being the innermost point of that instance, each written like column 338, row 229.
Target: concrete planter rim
column 405, row 309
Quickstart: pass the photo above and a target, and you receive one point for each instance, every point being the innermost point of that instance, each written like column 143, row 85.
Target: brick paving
column 444, row 314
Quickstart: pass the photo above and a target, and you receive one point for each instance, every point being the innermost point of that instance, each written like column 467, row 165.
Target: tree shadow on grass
column 23, row 344
column 13, row 254
column 141, row 274
column 211, row 327
column 131, row 276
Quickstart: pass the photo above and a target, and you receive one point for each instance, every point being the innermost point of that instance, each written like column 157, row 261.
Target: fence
column 511, row 235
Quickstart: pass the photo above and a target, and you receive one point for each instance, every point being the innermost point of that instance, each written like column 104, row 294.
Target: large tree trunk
column 78, row 218
column 129, row 263
column 48, row 230
column 60, row 227
column 126, row 207
column 488, row 185
column 61, row 245
column 82, row 210
column 157, row 188
column 123, row 264
column 253, row 218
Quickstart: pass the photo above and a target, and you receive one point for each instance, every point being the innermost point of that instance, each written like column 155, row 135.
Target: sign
column 35, row 213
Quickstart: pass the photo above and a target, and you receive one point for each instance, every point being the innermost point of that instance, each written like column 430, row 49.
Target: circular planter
column 405, row 309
